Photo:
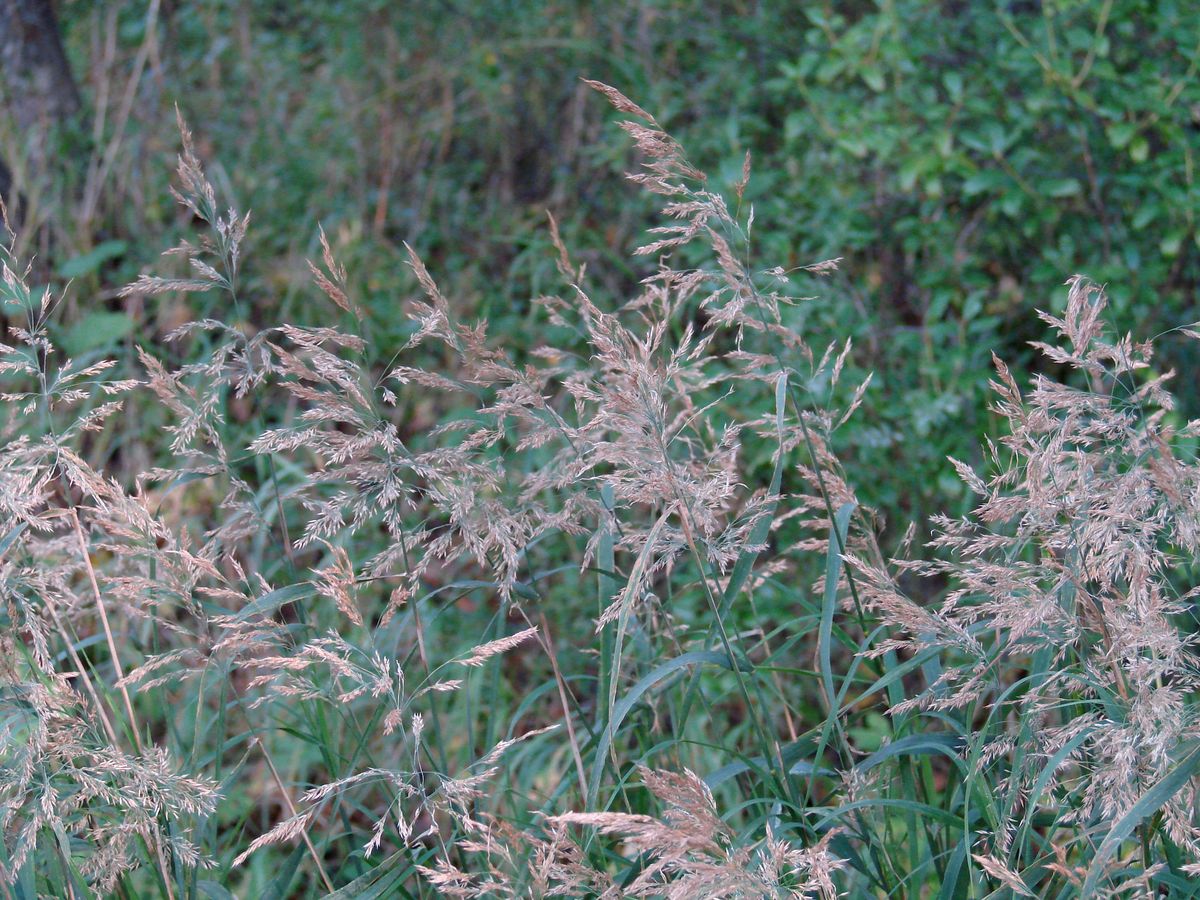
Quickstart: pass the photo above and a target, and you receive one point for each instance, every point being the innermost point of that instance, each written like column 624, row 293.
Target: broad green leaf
column 96, row 330
column 984, row 180
column 873, row 77
column 1120, row 134
column 272, row 600
column 89, row 262
column 1171, row 243
column 285, row 872
column 1139, row 149
column 1062, row 187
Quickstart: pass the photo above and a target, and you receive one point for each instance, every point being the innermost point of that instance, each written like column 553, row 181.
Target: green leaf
column 13, row 533
column 856, row 147
column 997, row 139
column 762, row 528
column 272, row 600
column 1120, row 134
column 92, row 260
column 1011, row 203
column 1139, row 149
column 945, row 143
column 96, row 330
column 1062, row 187
column 871, row 733
column 830, row 69
column 621, row 710
column 607, row 588
column 379, row 882
column 984, row 180
column 921, row 809
column 833, row 565
column 285, row 873
column 873, row 77
column 917, row 745
column 953, row 82
column 640, row 567
column 910, row 171
column 1146, row 213
column 803, row 767
column 1034, row 796
column 953, row 869
column 1170, row 244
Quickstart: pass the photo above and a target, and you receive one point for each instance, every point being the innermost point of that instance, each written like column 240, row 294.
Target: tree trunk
column 39, row 89
column 36, row 86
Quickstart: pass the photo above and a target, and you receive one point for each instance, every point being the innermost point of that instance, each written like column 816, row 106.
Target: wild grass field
column 523, row 502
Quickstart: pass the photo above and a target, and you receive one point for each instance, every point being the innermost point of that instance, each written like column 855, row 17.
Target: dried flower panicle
column 66, row 771
column 1068, row 562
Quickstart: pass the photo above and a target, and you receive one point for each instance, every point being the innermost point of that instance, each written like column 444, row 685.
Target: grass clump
column 578, row 618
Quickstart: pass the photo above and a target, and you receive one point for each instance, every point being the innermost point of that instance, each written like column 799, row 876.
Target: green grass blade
column 1147, row 805
column 620, row 710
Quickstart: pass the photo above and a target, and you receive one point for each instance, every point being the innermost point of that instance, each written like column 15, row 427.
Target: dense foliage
column 400, row 538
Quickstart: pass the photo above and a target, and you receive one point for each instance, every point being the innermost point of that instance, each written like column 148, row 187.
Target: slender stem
column 108, row 635
column 287, row 799
column 79, row 667
column 548, row 646
column 116, row 661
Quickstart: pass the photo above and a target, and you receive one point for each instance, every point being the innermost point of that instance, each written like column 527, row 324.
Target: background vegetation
column 962, row 159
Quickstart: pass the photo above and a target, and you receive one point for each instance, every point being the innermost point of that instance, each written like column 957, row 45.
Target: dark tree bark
column 5, row 180
column 39, row 89
column 36, row 84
